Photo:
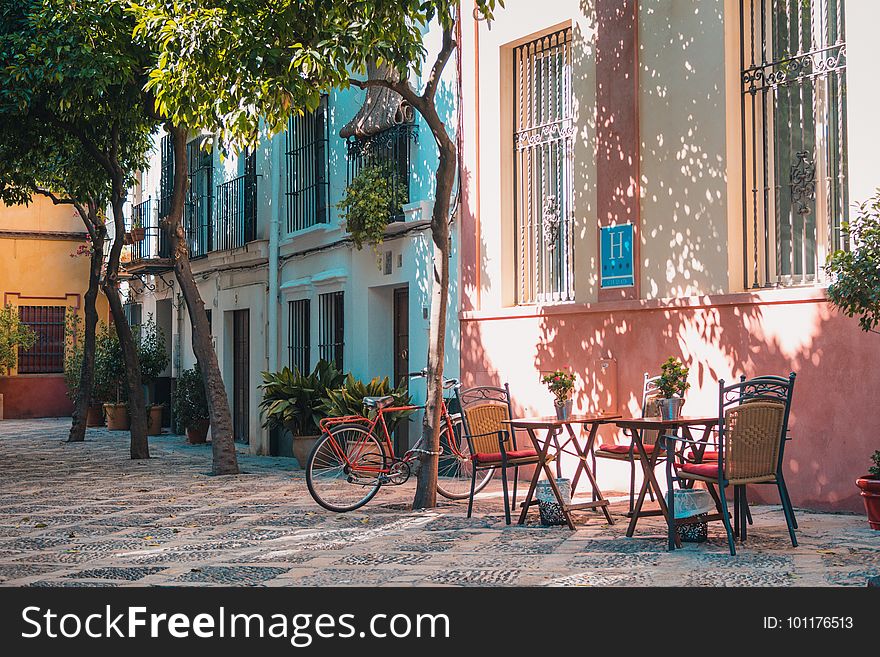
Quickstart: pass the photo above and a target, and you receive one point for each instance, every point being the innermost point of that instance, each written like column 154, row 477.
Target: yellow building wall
column 37, row 268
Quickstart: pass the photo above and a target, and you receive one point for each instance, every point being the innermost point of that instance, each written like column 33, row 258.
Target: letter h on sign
column 616, row 251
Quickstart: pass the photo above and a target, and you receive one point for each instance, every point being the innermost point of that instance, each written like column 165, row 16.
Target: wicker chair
column 650, row 408
column 752, row 426
column 492, row 443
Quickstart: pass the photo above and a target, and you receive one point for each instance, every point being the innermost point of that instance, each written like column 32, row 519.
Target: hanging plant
column 373, row 196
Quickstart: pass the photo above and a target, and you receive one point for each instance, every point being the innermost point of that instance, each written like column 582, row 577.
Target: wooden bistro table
column 684, row 424
column 552, row 427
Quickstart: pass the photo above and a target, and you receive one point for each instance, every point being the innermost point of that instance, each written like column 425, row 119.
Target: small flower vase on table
column 563, row 408
column 561, row 386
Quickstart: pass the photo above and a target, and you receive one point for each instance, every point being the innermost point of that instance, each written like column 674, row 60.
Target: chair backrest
column 753, row 421
column 483, row 412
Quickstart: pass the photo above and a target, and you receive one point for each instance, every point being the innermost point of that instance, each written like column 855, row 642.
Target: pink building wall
column 833, row 423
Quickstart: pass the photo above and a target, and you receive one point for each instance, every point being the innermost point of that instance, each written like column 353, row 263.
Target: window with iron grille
column 331, row 327
column 166, row 175
column 299, row 338
column 47, row 354
column 543, row 141
column 133, row 313
column 308, row 163
column 794, row 151
column 389, row 149
column 237, row 207
column 199, row 208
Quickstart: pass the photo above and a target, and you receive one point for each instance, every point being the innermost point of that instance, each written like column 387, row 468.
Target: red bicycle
column 354, row 457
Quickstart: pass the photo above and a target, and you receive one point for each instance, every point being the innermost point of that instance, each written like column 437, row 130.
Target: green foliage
column 73, row 353
column 374, row 195
column 295, row 401
column 152, row 356
column 673, row 378
column 238, row 68
column 856, row 273
column 875, row 469
column 190, row 403
column 349, row 399
column 560, row 383
column 109, row 366
column 14, row 335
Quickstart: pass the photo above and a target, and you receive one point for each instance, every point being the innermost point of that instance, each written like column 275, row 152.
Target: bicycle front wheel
column 343, row 471
column 455, row 467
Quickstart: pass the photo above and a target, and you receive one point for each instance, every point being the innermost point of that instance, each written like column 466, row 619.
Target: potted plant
column 672, row 386
column 561, row 384
column 153, row 360
column 349, row 399
column 109, row 378
column 14, row 335
column 190, row 406
column 869, row 484
column 138, row 232
column 371, row 199
column 294, row 402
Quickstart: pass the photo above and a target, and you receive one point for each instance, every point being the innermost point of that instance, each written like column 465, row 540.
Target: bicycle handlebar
column 424, row 373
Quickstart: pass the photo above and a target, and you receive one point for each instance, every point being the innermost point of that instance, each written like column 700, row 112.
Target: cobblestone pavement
column 86, row 515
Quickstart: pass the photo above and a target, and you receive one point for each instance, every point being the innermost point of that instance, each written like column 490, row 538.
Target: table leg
column 648, row 463
column 583, row 467
column 558, row 454
column 542, row 457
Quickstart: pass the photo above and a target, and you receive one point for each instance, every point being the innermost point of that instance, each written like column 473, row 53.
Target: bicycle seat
column 450, row 383
column 378, row 402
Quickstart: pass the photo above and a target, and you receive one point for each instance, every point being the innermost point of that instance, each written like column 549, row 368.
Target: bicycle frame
column 369, row 425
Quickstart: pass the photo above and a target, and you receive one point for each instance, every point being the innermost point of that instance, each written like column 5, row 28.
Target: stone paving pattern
column 86, row 515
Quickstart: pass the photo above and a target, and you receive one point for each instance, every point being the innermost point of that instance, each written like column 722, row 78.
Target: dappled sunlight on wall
column 718, row 338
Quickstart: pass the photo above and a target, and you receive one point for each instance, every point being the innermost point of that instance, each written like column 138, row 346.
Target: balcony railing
column 236, row 213
column 152, row 253
column 155, row 244
column 389, row 148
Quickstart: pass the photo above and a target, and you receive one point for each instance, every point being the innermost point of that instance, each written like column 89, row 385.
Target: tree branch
column 52, row 197
column 401, row 87
column 439, row 64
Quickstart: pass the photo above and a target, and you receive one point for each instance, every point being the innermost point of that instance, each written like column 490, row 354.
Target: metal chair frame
column 495, row 395
column 773, row 389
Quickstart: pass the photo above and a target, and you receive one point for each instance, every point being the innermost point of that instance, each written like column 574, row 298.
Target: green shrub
column 14, row 335
column 295, row 401
column 190, row 403
column 109, row 367
column 373, row 196
column 673, row 378
column 349, row 399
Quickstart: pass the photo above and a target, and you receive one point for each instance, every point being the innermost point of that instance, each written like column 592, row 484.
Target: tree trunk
column 139, row 448
column 222, row 438
column 87, row 373
column 426, row 472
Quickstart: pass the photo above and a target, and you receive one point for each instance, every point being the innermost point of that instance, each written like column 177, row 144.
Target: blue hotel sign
column 617, row 256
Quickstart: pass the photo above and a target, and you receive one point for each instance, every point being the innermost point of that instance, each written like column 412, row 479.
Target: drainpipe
column 274, row 224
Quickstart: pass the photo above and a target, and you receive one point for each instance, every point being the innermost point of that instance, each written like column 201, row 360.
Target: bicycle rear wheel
column 343, row 470
column 455, row 467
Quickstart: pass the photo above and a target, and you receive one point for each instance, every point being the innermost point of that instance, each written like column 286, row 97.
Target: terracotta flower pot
column 154, row 422
column 95, row 416
column 197, row 433
column 138, row 234
column 302, row 447
column 117, row 417
column 870, row 487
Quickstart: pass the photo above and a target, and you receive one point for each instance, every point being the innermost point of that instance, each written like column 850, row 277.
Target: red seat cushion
column 701, row 469
column 622, row 449
column 511, row 455
column 710, row 455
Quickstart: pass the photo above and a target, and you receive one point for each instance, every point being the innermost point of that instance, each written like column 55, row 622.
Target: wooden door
column 241, row 364
column 401, row 359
